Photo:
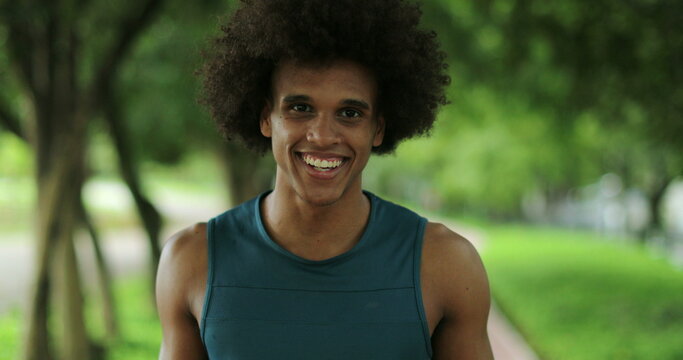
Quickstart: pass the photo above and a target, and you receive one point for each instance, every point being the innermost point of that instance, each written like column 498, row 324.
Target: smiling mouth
column 322, row 164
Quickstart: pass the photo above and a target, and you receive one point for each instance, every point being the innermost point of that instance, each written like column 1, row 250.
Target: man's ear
column 264, row 120
column 379, row 132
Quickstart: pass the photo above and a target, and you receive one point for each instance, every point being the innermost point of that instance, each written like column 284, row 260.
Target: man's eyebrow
column 296, row 98
column 305, row 98
column 358, row 103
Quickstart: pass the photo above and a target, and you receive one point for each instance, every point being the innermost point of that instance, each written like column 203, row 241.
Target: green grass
column 9, row 335
column 576, row 296
column 140, row 329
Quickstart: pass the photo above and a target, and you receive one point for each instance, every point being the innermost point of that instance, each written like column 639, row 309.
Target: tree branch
column 150, row 216
column 130, row 27
column 21, row 43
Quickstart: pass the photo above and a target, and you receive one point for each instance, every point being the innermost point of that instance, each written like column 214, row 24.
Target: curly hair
column 382, row 35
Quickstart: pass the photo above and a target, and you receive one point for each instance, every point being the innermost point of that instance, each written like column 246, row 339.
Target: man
column 317, row 268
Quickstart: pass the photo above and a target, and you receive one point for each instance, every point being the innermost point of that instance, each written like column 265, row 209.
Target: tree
column 611, row 63
column 66, row 85
column 162, row 67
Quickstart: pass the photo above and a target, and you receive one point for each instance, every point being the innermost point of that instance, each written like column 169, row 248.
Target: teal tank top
column 263, row 302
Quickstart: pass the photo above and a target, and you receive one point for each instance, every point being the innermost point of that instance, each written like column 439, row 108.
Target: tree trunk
column 104, row 276
column 151, row 219
column 36, row 337
column 247, row 173
column 58, row 189
column 44, row 46
column 60, row 143
column 655, row 197
column 69, row 295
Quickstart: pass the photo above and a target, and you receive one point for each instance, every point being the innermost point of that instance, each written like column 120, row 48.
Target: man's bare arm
column 462, row 294
column 181, row 279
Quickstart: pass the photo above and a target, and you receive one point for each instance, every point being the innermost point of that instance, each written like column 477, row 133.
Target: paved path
column 126, row 252
column 506, row 342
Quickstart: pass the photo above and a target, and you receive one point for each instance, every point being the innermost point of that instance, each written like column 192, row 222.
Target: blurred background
column 562, row 150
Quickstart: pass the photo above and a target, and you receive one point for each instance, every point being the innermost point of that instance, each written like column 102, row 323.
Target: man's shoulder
column 180, row 287
column 456, row 286
column 444, row 244
column 451, row 264
column 186, row 240
column 184, row 254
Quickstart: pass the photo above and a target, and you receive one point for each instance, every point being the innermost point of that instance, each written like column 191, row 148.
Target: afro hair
column 382, row 35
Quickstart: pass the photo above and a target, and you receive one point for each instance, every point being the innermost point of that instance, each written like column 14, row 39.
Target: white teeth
column 321, row 164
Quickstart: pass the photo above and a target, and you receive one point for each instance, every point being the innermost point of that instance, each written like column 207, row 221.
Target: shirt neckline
column 361, row 242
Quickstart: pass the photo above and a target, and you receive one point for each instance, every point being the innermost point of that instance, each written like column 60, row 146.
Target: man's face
column 323, row 123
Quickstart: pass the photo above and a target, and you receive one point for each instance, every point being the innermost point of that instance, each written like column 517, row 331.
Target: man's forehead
column 297, row 78
column 298, row 66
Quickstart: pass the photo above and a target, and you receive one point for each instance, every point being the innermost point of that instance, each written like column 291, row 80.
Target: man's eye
column 301, row 107
column 350, row 113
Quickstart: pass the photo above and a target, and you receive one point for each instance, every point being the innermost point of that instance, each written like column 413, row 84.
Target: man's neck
column 312, row 231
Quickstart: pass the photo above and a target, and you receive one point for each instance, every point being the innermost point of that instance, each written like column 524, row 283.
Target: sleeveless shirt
column 264, row 302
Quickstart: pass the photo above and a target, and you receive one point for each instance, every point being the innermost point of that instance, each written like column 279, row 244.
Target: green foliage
column 158, row 88
column 199, row 173
column 102, row 157
column 577, row 296
column 155, row 87
column 15, row 156
column 546, row 97
column 16, row 183
column 573, row 55
column 485, row 152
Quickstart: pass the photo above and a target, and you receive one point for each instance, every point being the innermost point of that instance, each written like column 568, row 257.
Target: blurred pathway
column 126, row 253
column 16, row 265
column 126, row 250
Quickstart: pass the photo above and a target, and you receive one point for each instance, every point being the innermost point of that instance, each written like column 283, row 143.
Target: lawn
column 140, row 328
column 577, row 296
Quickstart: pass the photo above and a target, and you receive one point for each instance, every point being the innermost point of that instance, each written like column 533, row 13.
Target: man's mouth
column 322, row 163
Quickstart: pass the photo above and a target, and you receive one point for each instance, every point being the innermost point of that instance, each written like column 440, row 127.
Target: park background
column 562, row 149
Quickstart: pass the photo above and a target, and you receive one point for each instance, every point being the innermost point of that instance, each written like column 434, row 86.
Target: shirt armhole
column 417, row 259
column 209, row 277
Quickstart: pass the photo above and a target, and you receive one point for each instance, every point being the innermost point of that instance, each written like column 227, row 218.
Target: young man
column 317, row 268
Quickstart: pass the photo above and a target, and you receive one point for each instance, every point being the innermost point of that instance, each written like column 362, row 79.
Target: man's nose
column 323, row 130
